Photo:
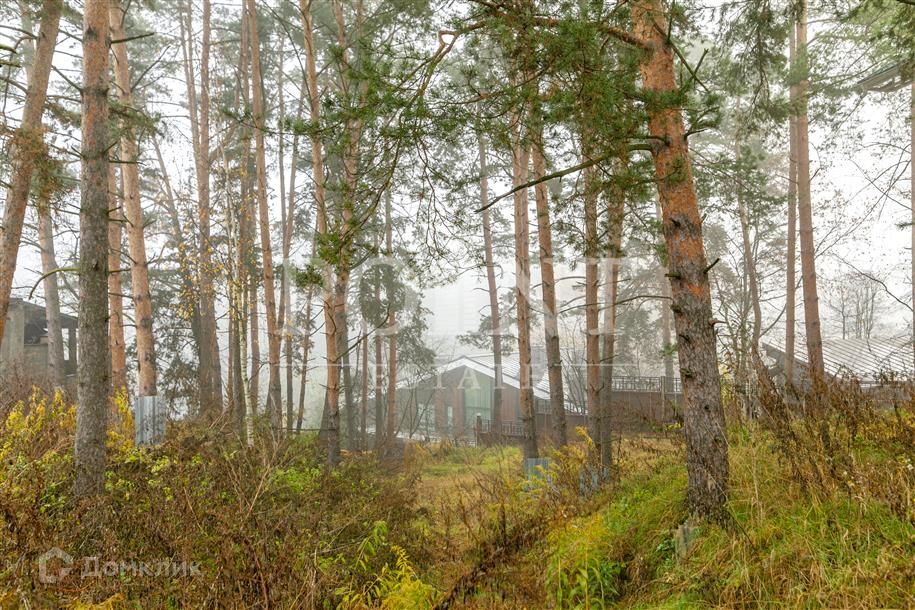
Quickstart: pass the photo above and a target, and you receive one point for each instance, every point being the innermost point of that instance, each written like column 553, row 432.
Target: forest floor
column 788, row 544
column 822, row 514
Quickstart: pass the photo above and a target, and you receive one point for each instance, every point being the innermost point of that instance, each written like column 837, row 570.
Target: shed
column 25, row 339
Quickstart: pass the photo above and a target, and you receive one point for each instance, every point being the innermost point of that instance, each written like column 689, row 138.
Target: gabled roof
column 510, row 375
column 866, row 359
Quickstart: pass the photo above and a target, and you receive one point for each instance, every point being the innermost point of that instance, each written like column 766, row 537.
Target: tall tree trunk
column 364, row 397
column 288, row 221
column 706, row 443
column 51, row 294
column 306, row 342
column 94, row 359
column 749, row 266
column 391, row 331
column 791, row 262
column 209, row 366
column 317, row 160
column 592, row 305
column 804, row 208
column 273, row 334
column 520, row 162
column 494, row 315
column 130, row 174
column 237, row 388
column 27, row 148
column 247, row 258
column 351, row 429
column 548, row 285
column 303, row 380
column 912, row 187
column 666, row 339
column 115, row 287
column 616, row 207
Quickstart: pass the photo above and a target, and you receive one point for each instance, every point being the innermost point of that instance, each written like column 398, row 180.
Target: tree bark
column 317, row 160
column 51, row 295
column 259, row 116
column 209, row 366
column 520, row 160
column 616, row 207
column 791, row 245
column 27, row 148
column 706, row 443
column 130, row 174
column 115, row 287
column 548, row 286
column 247, row 258
column 805, row 213
column 494, row 314
column 94, row 359
column 592, row 305
column 749, row 266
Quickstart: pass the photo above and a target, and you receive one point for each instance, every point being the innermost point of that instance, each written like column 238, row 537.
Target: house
column 871, row 361
column 25, row 340
column 457, row 401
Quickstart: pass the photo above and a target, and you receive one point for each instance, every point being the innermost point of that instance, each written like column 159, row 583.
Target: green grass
column 788, row 548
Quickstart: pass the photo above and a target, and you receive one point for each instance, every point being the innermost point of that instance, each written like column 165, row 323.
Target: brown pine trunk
column 548, row 288
column 616, row 207
column 706, row 443
column 130, row 174
column 494, row 315
column 805, row 213
column 259, row 114
column 332, row 391
column 247, row 258
column 27, row 148
column 209, row 366
column 520, row 162
column 115, row 287
column 51, row 295
column 912, row 187
column 790, row 263
column 592, row 305
column 236, row 380
column 94, row 359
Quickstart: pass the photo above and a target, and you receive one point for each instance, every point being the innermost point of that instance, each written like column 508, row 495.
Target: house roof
column 35, row 312
column 511, row 369
column 866, row 359
column 888, row 79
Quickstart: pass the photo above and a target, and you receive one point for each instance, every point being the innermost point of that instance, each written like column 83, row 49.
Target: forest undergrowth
column 822, row 515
